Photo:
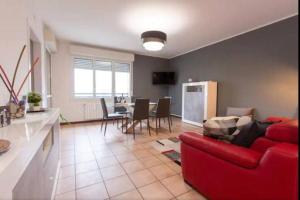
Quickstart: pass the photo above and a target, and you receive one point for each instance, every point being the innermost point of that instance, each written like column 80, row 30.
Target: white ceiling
column 189, row 24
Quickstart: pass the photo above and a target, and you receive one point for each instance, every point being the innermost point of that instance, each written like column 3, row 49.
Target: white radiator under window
column 92, row 111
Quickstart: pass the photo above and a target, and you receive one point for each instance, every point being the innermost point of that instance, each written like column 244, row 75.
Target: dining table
column 131, row 104
column 130, row 107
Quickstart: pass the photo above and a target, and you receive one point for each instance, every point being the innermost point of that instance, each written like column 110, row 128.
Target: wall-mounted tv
column 163, row 78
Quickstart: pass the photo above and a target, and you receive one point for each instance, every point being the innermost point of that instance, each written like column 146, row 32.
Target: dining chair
column 169, row 97
column 140, row 113
column 133, row 98
column 162, row 111
column 107, row 116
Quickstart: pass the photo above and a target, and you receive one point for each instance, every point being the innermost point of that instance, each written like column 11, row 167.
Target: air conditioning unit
column 50, row 40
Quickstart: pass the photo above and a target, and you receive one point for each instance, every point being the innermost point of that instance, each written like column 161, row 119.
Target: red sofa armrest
column 240, row 156
column 281, row 153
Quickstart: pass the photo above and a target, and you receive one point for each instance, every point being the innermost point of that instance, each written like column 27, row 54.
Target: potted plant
column 34, row 100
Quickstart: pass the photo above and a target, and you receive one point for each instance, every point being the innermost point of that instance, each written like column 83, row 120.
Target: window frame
column 93, row 68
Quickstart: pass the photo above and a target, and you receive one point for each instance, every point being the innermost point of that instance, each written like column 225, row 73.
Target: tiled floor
column 118, row 167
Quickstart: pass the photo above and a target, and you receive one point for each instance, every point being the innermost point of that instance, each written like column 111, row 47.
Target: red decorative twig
column 31, row 69
column 7, row 87
column 16, row 69
column 7, row 82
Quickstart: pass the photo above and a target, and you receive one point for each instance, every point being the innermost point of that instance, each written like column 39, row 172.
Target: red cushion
column 262, row 144
column 240, row 156
column 277, row 119
column 284, row 132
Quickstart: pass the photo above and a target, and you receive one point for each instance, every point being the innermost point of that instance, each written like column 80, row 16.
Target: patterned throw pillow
column 250, row 133
column 224, row 128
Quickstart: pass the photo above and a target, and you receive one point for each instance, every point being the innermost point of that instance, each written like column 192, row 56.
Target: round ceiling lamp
column 153, row 40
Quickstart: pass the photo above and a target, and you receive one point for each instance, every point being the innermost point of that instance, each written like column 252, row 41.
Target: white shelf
column 199, row 101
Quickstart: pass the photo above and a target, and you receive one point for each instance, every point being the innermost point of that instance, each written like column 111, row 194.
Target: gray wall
column 143, row 66
column 258, row 69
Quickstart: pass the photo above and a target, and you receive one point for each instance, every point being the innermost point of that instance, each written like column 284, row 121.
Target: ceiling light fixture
column 153, row 40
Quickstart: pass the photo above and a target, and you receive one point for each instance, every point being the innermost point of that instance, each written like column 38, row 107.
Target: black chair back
column 141, row 109
column 104, row 108
column 133, row 98
column 163, row 107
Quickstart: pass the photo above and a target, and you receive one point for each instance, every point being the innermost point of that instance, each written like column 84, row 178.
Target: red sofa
column 222, row 171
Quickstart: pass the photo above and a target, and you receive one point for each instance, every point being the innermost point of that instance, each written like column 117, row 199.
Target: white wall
column 62, row 77
column 62, row 72
column 16, row 20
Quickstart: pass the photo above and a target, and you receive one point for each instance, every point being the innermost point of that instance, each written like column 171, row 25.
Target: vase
column 4, row 116
column 16, row 110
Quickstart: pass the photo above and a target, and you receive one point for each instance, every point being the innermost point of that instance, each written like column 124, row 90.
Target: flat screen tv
column 163, row 78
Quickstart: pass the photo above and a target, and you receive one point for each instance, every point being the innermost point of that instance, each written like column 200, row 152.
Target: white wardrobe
column 199, row 101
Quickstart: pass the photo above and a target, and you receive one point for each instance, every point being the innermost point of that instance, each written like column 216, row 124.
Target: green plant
column 34, row 98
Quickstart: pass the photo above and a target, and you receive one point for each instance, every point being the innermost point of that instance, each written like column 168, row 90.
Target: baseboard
column 174, row 115
column 98, row 120
column 81, row 122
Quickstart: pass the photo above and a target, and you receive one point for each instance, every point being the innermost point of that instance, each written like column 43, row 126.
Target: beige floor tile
column 84, row 157
column 163, row 158
column 135, row 147
column 103, row 153
column 120, row 151
column 112, row 172
column 88, row 178
column 65, row 185
column 107, row 161
column 174, row 166
column 126, row 157
column 119, row 185
column 176, row 185
column 83, row 150
column 86, row 167
column 142, row 153
column 153, row 151
column 93, row 192
column 151, row 161
column 83, row 154
column 68, row 153
column 162, row 171
column 66, row 196
column 155, row 191
column 67, row 171
column 67, row 147
column 98, row 144
column 142, row 178
column 83, row 139
column 131, row 195
column 191, row 195
column 133, row 166
column 67, row 161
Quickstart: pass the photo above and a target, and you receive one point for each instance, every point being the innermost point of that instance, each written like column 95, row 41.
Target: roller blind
column 101, row 78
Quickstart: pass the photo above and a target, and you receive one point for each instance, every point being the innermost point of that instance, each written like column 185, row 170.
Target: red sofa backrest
column 276, row 119
column 283, row 132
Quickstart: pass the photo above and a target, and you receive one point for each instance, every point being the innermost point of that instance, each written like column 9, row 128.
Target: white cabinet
column 199, row 101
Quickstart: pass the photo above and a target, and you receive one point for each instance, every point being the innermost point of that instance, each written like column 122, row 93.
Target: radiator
column 92, row 111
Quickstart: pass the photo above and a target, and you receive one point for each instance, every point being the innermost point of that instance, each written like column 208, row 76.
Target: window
column 122, row 78
column 100, row 78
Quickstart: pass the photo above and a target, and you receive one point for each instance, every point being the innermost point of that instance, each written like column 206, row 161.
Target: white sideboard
column 199, row 101
column 30, row 168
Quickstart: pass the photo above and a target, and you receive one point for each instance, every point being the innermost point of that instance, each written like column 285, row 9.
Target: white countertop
column 25, row 137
